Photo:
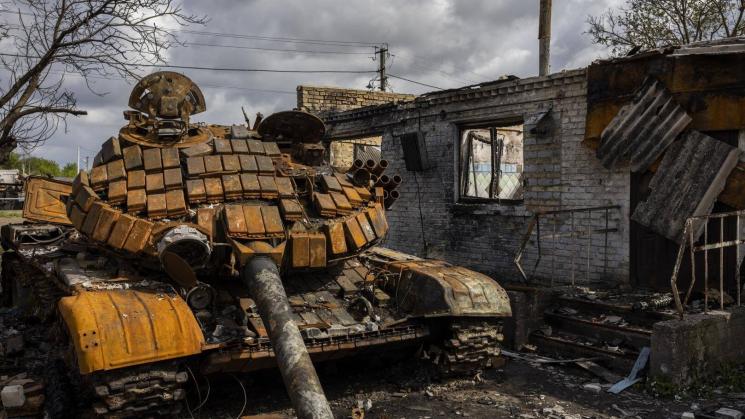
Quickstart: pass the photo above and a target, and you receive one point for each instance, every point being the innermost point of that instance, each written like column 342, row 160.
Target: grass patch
column 11, row 214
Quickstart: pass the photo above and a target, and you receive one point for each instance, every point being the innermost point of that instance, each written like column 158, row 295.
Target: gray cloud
column 445, row 43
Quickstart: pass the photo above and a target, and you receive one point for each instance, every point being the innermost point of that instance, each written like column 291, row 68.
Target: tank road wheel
column 153, row 390
column 473, row 345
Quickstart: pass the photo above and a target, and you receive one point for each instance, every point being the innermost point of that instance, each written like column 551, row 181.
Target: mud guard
column 113, row 329
column 431, row 288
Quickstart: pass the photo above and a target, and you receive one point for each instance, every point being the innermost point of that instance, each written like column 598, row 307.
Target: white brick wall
column 560, row 173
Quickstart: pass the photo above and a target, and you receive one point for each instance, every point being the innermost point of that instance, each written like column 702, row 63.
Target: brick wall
column 560, row 173
column 321, row 100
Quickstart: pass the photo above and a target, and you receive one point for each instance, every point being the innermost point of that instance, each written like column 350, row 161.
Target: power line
column 280, row 39
column 297, row 51
column 414, row 81
column 243, row 70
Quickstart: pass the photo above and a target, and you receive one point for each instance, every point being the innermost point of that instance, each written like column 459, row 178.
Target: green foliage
column 653, row 24
column 39, row 166
column 70, row 170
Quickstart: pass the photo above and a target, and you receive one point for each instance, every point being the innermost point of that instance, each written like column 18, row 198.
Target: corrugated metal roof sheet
column 643, row 129
column 687, row 183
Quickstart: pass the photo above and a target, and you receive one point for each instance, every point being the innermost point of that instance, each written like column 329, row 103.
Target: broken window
column 491, row 163
column 345, row 152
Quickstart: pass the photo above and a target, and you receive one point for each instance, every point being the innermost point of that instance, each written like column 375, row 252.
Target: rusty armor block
column 175, row 203
column 132, row 157
column 138, row 236
column 85, row 198
column 342, row 204
column 331, row 184
column 354, row 198
column 317, row 248
column 76, row 215
column 206, row 219
column 248, row 163
column 284, row 187
column 198, row 150
column 272, row 149
column 239, row 146
column 195, row 191
column 355, row 237
column 367, row 229
column 300, row 249
column 195, row 166
column 272, row 220
column 255, row 147
column 222, row 146
column 231, row 185
column 98, row 177
column 136, row 179
column 265, row 164
column 154, row 183
column 121, row 230
column 291, row 210
column 213, row 186
column 156, row 205
column 172, row 179
column 170, row 158
column 324, row 204
column 117, row 192
column 80, row 180
column 376, row 221
column 111, row 150
column 254, row 220
column 92, row 218
column 268, row 187
column 231, row 163
column 115, row 170
column 105, row 223
column 136, row 200
column 212, row 164
column 365, row 193
column 251, row 187
column 235, row 220
column 337, row 243
column 152, row 160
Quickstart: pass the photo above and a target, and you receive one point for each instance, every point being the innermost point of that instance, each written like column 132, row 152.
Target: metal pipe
column 383, row 181
column 357, row 165
column 370, row 165
column 361, row 178
column 261, row 276
column 380, row 167
column 391, row 198
column 394, row 183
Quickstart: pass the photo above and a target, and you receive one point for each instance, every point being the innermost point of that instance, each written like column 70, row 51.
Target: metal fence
column 693, row 229
column 570, row 232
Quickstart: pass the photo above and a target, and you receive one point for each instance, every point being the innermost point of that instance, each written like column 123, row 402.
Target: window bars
column 578, row 226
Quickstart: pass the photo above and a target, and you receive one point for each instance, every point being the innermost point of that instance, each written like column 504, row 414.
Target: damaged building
column 607, row 196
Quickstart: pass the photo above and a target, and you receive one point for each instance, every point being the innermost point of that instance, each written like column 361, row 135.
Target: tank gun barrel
column 261, row 276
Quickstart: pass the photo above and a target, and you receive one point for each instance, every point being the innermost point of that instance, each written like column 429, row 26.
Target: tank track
column 472, row 346
column 39, row 293
column 137, row 392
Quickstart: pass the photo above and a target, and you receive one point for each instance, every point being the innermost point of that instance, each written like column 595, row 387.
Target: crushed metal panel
column 44, row 200
column 687, row 183
column 643, row 129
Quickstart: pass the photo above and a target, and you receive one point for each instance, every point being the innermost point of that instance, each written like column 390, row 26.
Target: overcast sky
column 443, row 43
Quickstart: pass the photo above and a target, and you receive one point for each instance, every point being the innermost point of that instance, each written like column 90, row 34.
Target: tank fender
column 112, row 329
column 435, row 288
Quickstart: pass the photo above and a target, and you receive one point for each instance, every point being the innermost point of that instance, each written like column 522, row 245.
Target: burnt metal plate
column 293, row 125
column 45, row 200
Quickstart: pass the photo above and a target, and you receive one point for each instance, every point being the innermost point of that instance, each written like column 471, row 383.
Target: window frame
column 485, row 125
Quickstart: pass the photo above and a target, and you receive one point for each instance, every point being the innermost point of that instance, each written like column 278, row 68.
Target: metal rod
column 574, row 247
column 737, row 261
column 676, row 269
column 721, row 265
column 706, row 268
column 605, row 247
column 693, row 263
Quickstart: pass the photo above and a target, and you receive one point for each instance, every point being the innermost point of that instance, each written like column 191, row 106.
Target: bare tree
column 89, row 38
column 649, row 24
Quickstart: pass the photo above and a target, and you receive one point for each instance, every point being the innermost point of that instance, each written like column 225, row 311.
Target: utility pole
column 77, row 162
column 544, row 37
column 383, row 51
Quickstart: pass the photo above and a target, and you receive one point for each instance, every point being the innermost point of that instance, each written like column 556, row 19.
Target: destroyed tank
column 229, row 249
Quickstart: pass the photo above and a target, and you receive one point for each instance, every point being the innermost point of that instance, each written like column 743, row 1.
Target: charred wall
column 431, row 220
